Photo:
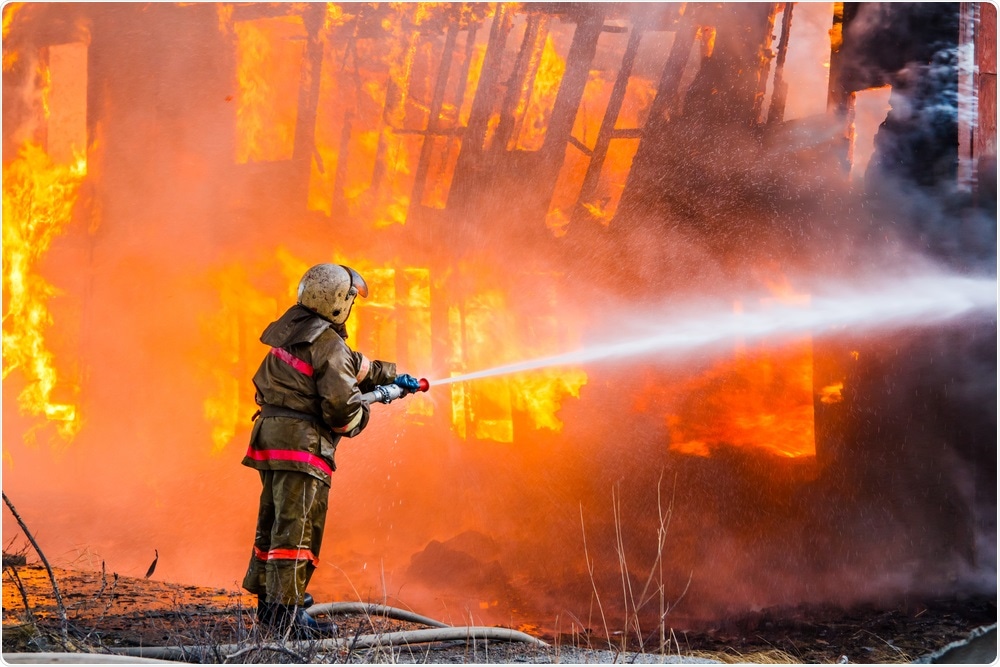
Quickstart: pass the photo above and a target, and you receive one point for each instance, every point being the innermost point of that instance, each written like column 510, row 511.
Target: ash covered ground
column 106, row 612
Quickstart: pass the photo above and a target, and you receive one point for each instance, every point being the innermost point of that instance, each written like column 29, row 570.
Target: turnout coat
column 309, row 390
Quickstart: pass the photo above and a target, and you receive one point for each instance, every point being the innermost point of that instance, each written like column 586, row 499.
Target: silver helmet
column 330, row 290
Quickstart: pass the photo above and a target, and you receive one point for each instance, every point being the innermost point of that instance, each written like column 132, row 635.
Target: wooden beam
column 338, row 200
column 521, row 82
column 576, row 143
column 304, row 144
column 395, row 104
column 666, row 101
column 483, row 103
column 434, row 117
column 486, row 93
column 779, row 96
column 627, row 133
column 606, row 133
column 439, row 132
column 581, row 54
column 985, row 145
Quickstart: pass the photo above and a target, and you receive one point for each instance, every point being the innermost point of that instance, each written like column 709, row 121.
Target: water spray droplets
column 919, row 301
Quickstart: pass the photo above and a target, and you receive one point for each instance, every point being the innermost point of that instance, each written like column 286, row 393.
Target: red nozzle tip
column 424, row 384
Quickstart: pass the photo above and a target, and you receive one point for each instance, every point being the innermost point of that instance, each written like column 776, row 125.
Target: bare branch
column 20, row 588
column 48, row 568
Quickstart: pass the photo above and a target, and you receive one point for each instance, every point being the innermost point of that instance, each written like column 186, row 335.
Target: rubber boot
column 303, row 626
column 265, row 612
column 308, row 627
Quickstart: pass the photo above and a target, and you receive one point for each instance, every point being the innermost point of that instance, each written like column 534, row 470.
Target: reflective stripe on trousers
column 290, row 520
column 285, row 554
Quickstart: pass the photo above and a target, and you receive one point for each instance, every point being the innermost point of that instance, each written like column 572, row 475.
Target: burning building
column 506, row 176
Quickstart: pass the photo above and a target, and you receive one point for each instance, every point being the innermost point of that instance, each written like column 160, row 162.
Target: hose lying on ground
column 402, row 638
column 443, row 635
column 440, row 632
column 334, row 608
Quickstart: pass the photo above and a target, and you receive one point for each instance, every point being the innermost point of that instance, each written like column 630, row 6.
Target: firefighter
column 309, row 390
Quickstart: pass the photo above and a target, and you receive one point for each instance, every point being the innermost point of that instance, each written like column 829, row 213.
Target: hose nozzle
column 387, row 393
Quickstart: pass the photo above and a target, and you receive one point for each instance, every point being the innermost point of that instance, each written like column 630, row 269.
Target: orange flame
column 40, row 187
column 551, row 68
column 832, row 394
column 9, row 11
column 761, row 399
column 602, row 203
column 234, row 327
column 706, row 35
column 267, row 50
column 38, row 198
column 837, row 31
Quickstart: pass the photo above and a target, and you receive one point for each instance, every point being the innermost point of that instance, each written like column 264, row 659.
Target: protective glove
column 409, row 383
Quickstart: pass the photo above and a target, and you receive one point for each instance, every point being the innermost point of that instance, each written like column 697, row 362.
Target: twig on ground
column 654, row 587
column 104, row 581
column 11, row 557
column 12, row 572
column 48, row 568
column 895, row 648
column 267, row 647
column 590, row 571
column 628, row 596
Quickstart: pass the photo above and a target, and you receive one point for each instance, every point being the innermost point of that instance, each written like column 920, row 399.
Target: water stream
column 917, row 301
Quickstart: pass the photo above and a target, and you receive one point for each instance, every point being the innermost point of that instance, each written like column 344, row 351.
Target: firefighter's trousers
column 286, row 547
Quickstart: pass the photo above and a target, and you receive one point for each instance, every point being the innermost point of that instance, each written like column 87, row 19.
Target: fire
column 550, row 72
column 832, row 393
column 363, row 116
column 706, row 37
column 602, row 203
column 761, row 400
column 488, row 339
column 639, row 97
column 235, row 326
column 336, row 129
column 837, row 31
column 40, row 187
column 366, row 146
column 9, row 11
column 267, row 49
column 364, row 159
column 38, row 198
column 540, row 394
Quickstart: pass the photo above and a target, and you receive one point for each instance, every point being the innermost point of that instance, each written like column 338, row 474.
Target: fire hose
column 440, row 633
column 208, row 653
column 334, row 608
column 402, row 638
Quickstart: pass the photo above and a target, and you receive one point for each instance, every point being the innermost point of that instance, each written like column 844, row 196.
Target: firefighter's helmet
column 330, row 290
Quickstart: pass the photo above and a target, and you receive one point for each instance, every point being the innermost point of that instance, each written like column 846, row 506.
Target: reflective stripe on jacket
column 311, row 370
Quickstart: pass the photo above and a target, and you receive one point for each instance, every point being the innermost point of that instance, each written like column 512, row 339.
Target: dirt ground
column 106, row 612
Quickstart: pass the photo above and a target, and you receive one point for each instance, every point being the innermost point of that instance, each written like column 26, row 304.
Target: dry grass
column 636, row 601
column 734, row 657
